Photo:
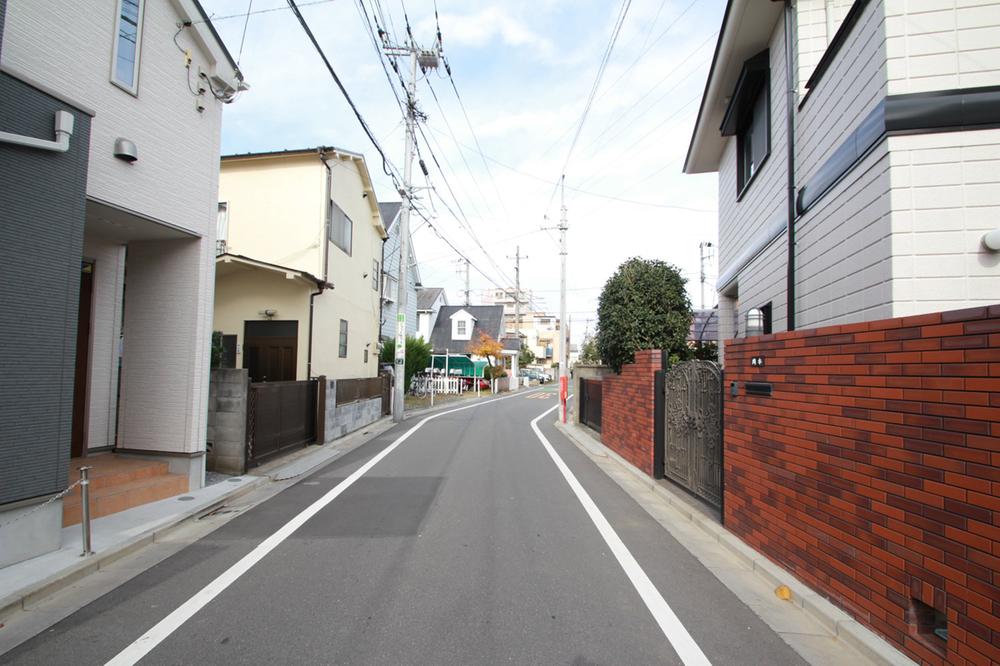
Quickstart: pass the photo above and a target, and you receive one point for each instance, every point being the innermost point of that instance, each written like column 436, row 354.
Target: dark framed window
column 339, row 227
column 748, row 118
column 342, row 352
column 128, row 39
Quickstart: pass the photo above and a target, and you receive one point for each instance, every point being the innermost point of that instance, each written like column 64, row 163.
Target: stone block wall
column 227, row 420
column 872, row 472
column 340, row 420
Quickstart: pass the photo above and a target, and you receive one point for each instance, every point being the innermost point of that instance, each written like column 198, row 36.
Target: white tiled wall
column 942, row 44
column 945, row 195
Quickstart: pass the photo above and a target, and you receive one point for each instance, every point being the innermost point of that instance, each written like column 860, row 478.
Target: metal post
column 447, row 375
column 564, row 327
column 85, row 509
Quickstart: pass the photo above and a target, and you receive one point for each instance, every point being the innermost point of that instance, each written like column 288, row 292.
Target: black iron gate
column 590, row 403
column 692, row 429
column 280, row 416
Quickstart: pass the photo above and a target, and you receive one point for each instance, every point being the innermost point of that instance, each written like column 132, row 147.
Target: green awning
column 465, row 366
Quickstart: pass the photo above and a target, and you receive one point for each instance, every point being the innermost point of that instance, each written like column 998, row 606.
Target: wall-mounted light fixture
column 755, row 322
column 268, row 314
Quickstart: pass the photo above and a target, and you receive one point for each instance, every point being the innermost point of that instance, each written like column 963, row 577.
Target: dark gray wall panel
column 42, row 209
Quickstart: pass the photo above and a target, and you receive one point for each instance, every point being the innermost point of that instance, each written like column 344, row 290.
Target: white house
column 108, row 326
column 430, row 300
column 880, row 204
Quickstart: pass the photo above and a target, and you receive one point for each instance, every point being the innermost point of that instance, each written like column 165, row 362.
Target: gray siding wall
column 391, row 267
column 742, row 222
column 42, row 208
column 843, row 266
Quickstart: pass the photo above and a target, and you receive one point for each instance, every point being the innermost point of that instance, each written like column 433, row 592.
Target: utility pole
column 426, row 59
column 467, row 283
column 702, row 246
column 564, row 327
column 517, row 292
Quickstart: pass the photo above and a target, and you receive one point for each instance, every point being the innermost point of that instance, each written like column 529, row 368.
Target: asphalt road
column 464, row 544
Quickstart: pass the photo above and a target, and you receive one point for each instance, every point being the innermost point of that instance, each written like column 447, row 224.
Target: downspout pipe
column 321, row 286
column 790, row 138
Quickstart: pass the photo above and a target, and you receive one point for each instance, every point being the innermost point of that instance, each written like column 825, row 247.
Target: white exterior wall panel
column 106, row 322
column 175, row 179
column 942, row 45
column 945, row 196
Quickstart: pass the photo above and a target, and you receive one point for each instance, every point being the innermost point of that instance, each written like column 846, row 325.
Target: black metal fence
column 280, row 416
column 590, row 403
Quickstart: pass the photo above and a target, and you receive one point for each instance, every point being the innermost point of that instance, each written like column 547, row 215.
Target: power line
column 386, row 162
column 216, row 19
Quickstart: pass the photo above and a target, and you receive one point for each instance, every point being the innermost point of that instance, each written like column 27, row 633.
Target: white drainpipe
column 63, row 129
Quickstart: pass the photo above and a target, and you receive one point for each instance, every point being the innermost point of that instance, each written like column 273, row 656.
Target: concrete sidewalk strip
column 701, row 528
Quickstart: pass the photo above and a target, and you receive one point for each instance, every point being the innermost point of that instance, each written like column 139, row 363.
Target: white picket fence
column 440, row 384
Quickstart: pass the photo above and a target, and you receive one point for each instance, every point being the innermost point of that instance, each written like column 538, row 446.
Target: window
column 222, row 229
column 339, row 227
column 461, row 325
column 375, row 274
column 389, row 288
column 753, row 141
column 128, row 38
column 748, row 118
column 342, row 352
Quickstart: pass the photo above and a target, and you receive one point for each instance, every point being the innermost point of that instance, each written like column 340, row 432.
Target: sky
column 523, row 71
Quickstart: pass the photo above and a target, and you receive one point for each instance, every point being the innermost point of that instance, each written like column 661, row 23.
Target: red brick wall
column 873, row 471
column 627, row 410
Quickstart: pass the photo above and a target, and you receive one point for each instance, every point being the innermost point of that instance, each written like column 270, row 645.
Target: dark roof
column 704, row 326
column 222, row 44
column 389, row 211
column 426, row 296
column 489, row 319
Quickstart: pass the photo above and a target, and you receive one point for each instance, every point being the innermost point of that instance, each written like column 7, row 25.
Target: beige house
column 299, row 263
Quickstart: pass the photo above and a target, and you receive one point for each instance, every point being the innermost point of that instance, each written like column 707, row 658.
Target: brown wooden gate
column 591, row 394
column 280, row 416
column 692, row 429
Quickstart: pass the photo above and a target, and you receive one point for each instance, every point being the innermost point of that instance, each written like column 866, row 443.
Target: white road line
column 168, row 625
column 670, row 624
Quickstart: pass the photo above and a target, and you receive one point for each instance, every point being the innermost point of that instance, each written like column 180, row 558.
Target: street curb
column 63, row 579
column 835, row 620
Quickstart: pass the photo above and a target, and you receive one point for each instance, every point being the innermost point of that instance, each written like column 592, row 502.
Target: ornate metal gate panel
column 693, row 429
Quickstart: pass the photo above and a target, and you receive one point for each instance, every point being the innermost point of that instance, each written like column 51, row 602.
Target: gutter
column 63, row 126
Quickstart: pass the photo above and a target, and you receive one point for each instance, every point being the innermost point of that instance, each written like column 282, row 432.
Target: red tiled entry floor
column 118, row 483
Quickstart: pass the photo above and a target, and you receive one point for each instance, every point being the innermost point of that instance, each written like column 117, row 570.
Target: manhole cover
column 184, row 498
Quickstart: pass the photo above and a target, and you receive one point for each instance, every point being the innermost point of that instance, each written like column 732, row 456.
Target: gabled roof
column 390, row 211
column 427, row 296
column 487, row 319
column 746, row 29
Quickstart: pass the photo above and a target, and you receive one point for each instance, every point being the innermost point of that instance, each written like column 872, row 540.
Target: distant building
column 390, row 275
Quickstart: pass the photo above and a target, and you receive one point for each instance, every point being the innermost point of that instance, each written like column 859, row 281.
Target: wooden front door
column 270, row 350
column 78, row 438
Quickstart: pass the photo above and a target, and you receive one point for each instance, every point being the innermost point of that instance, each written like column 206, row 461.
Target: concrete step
column 108, row 470
column 109, row 499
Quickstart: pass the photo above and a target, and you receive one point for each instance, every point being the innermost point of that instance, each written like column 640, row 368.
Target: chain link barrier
column 41, row 506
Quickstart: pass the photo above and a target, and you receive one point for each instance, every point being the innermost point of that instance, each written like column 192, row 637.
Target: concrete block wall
column 873, row 471
column 227, row 420
column 627, row 409
column 343, row 419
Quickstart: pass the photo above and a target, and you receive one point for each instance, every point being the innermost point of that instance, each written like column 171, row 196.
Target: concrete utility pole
column 467, row 283
column 564, row 327
column 426, row 59
column 702, row 246
column 517, row 292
